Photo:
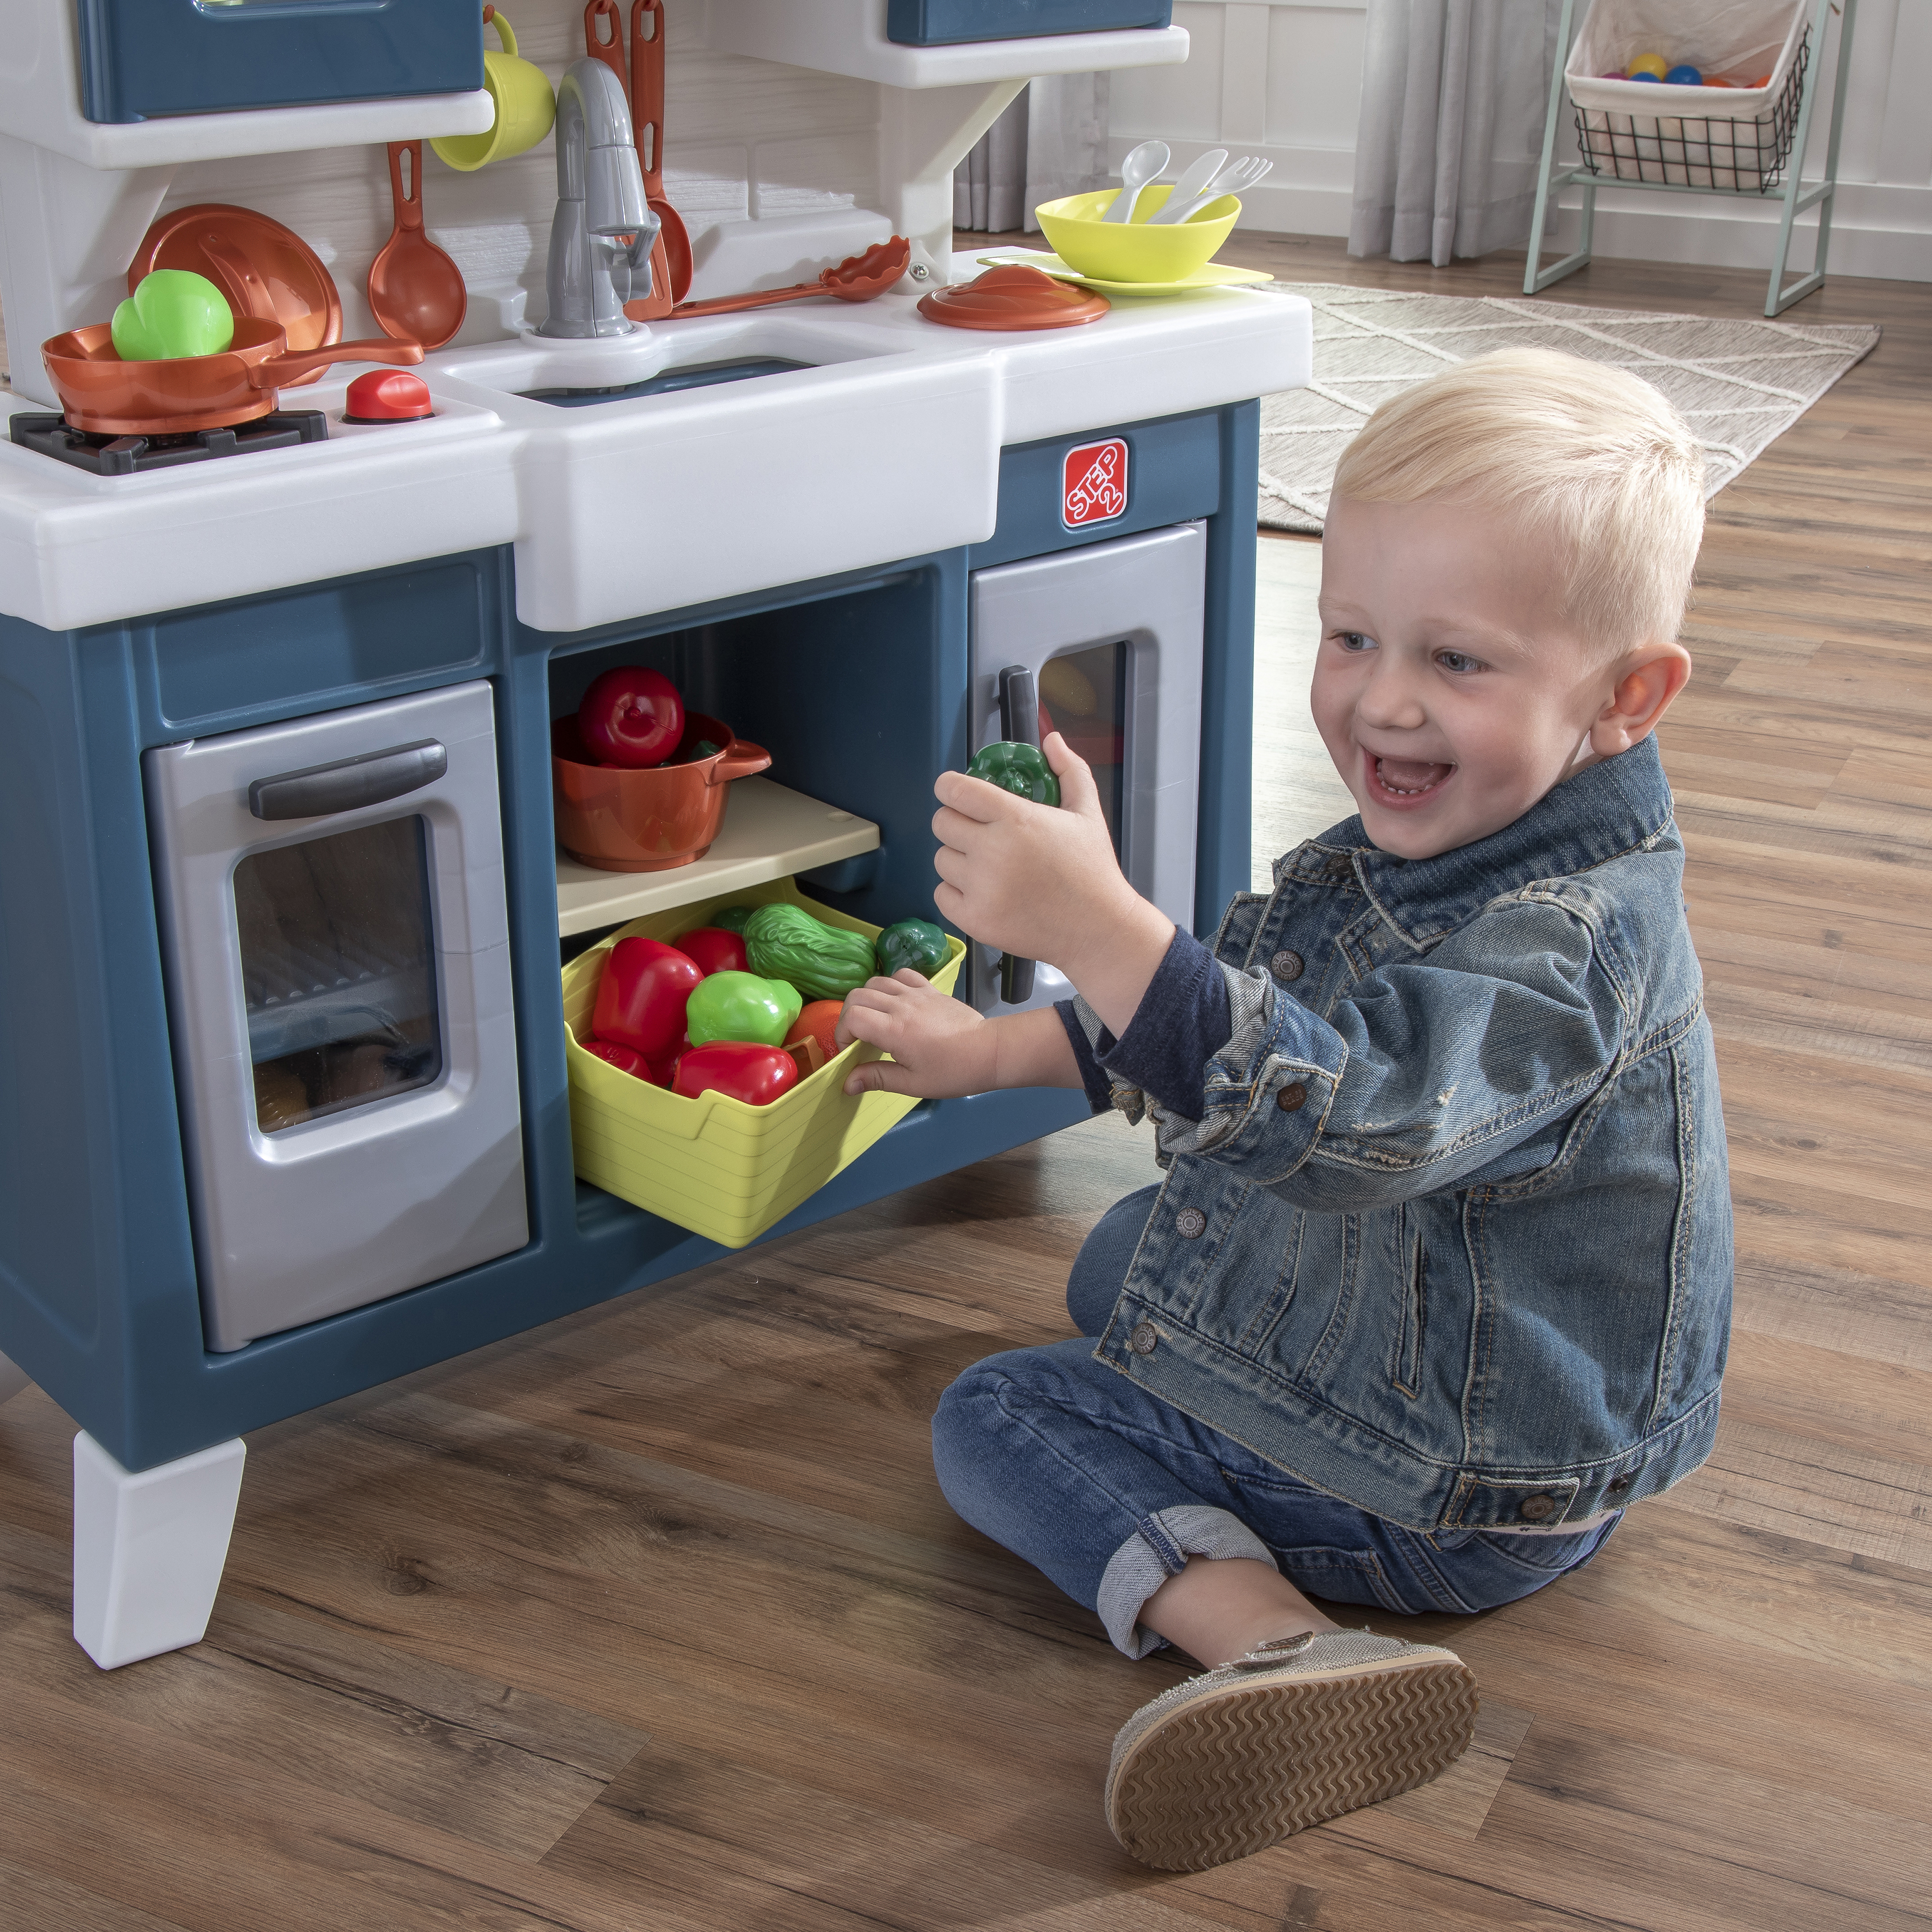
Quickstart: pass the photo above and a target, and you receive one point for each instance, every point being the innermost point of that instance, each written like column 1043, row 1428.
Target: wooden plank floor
column 656, row 1617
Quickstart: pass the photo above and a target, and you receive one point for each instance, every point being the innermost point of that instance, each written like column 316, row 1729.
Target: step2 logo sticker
column 1093, row 484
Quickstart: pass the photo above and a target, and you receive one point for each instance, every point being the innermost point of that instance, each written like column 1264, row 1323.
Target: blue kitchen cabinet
column 143, row 58
column 857, row 683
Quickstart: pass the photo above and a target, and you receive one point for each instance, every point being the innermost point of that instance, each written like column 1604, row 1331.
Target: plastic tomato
column 1021, row 769
column 631, row 716
column 642, row 996
column 740, row 1006
column 817, row 1022
column 714, row 950
column 625, row 1059
column 757, row 1075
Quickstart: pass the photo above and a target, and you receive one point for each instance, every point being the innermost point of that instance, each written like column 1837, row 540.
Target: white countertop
column 888, row 448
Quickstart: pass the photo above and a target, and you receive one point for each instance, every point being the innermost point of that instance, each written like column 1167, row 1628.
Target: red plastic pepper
column 641, row 999
column 714, row 950
column 757, row 1075
column 625, row 1059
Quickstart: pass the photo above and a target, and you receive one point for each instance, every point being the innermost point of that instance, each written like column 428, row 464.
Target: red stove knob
column 388, row 396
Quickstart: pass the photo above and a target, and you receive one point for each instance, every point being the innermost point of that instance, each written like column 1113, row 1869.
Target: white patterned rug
column 1738, row 382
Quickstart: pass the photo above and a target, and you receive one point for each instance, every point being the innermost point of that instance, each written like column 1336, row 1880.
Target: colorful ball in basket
column 1653, row 66
column 1133, row 251
column 1686, row 76
column 526, row 106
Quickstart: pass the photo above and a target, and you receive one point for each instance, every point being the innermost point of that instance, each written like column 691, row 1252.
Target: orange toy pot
column 625, row 820
column 100, row 392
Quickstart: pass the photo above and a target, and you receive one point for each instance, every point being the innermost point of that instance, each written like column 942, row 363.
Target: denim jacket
column 1451, row 1237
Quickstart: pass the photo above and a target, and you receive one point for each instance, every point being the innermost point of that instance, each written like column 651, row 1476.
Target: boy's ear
column 1647, row 682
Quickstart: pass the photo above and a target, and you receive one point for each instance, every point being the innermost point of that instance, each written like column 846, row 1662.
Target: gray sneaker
column 1302, row 1730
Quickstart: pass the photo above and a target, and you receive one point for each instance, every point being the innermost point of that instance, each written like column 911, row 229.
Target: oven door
column 336, row 952
column 1112, row 634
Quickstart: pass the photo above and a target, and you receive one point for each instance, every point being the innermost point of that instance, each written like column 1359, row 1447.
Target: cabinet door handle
column 348, row 783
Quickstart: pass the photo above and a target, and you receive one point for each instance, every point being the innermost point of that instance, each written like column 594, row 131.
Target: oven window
column 1083, row 697
column 338, row 969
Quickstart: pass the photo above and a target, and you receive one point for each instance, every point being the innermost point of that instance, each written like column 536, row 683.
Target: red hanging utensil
column 647, row 123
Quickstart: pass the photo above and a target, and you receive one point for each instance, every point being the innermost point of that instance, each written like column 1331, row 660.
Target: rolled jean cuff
column 1159, row 1548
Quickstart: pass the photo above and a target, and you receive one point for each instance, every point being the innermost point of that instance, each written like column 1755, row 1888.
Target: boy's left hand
column 1027, row 879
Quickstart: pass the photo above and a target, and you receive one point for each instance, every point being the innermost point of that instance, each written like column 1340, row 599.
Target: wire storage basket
column 1732, row 128
column 1698, row 151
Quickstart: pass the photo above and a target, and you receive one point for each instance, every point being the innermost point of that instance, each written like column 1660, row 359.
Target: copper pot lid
column 1014, row 296
column 265, row 270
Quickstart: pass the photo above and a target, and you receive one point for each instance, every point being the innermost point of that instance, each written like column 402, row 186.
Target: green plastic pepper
column 732, row 918
column 916, row 943
column 789, row 998
column 1021, row 769
column 739, row 1006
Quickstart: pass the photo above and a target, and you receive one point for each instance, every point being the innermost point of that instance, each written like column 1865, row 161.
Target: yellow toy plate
column 1216, row 275
column 723, row 1168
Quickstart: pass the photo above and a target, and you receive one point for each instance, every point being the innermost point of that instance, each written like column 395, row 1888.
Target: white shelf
column 770, row 832
column 848, row 36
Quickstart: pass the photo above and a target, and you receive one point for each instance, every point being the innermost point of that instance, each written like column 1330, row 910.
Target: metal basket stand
column 1743, row 160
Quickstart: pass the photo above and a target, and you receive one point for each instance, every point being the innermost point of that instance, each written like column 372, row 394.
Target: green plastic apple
column 172, row 312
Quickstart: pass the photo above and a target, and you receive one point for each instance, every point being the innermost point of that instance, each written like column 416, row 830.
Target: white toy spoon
column 1140, row 167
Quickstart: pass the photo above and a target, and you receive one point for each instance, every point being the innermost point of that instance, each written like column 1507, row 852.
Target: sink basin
column 701, row 459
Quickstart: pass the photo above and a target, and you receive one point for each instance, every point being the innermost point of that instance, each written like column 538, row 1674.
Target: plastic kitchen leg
column 13, row 1379
column 148, row 1549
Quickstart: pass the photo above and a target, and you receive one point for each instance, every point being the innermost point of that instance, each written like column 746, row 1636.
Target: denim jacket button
column 1285, row 966
column 1190, row 1223
column 1291, row 1097
column 1534, row 1509
column 1144, row 1339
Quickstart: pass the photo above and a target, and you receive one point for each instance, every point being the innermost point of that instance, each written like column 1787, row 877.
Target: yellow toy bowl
column 1133, row 251
column 720, row 1167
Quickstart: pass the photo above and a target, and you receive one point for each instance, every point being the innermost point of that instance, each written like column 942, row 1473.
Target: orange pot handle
column 740, row 760
column 279, row 369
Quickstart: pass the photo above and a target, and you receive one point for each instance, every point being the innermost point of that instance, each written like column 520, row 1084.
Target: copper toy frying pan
column 100, row 392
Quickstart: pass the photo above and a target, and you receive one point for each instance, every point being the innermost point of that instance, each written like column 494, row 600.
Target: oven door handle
column 1019, row 725
column 348, row 783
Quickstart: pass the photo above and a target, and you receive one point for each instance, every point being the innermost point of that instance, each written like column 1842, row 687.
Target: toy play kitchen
column 308, row 892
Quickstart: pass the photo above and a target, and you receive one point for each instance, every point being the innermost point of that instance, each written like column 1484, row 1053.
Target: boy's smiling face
column 1450, row 688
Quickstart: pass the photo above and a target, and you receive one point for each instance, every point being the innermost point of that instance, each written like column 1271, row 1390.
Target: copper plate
column 265, row 271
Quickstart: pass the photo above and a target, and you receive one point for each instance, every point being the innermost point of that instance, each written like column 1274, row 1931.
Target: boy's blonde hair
column 1589, row 460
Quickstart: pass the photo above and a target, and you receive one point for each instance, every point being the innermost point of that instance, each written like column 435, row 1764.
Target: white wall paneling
column 1282, row 78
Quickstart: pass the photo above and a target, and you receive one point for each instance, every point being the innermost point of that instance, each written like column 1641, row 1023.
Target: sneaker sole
column 1242, row 1768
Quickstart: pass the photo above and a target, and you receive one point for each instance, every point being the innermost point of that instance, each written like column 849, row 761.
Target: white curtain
column 1454, row 96
column 1051, row 141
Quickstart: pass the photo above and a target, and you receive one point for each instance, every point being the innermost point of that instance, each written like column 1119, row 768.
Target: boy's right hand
column 941, row 1048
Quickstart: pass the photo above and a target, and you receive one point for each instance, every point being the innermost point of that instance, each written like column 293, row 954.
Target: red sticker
column 1094, row 483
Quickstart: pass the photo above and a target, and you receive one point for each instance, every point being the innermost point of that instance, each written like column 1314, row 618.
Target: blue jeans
column 1108, row 1490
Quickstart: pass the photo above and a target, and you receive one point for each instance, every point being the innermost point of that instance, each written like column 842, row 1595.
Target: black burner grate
column 127, row 455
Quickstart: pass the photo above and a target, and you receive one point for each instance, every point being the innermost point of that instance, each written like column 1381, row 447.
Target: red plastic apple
column 631, row 716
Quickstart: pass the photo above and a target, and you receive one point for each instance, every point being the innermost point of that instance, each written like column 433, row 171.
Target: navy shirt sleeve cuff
column 1182, row 1021
column 1099, row 1088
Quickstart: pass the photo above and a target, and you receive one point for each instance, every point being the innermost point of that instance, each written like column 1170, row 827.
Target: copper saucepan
column 100, row 392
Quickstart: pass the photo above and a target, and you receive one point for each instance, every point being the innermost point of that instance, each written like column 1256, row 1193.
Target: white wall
column 1282, row 78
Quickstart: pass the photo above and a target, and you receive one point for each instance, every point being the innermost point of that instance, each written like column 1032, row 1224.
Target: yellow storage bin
column 720, row 1167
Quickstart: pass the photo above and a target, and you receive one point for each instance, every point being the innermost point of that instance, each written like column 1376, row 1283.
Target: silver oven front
column 1112, row 634
column 337, row 952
